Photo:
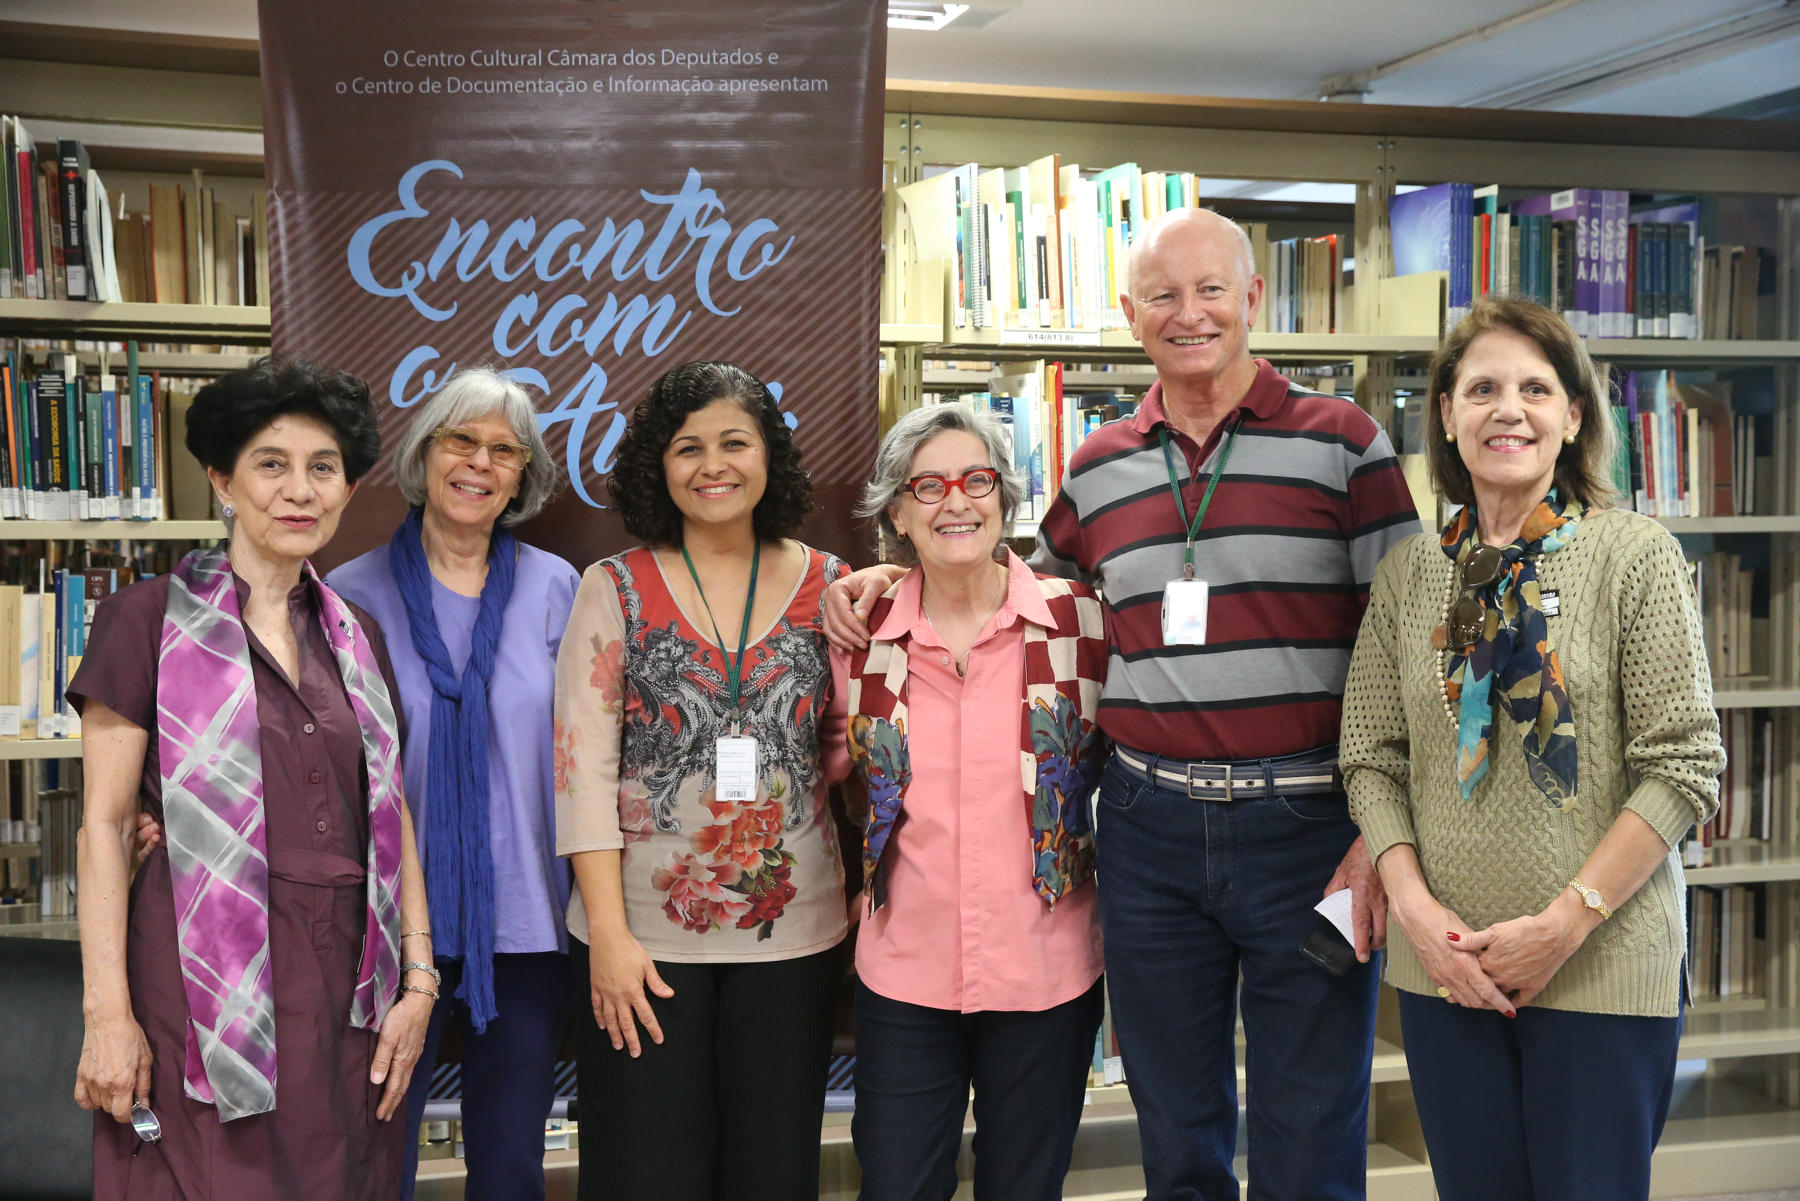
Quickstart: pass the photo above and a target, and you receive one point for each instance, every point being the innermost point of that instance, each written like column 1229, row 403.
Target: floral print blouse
column 641, row 698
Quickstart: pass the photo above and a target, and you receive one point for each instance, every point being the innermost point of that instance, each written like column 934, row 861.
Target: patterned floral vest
column 1061, row 750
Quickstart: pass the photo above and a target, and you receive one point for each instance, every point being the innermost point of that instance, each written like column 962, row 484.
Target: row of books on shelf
column 1749, row 789
column 1045, row 246
column 48, row 594
column 1682, row 449
column 39, row 813
column 43, row 632
column 91, row 446
column 67, row 238
column 1612, row 267
column 1727, row 941
column 1725, row 591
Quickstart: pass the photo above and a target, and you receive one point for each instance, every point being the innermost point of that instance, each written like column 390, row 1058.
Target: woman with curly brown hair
column 691, row 694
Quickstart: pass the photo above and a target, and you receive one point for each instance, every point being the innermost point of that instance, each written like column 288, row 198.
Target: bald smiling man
column 1233, row 525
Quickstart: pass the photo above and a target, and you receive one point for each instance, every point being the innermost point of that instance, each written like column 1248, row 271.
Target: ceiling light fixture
column 921, row 15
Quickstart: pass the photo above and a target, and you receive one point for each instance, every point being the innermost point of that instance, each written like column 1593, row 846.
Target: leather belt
column 1232, row 782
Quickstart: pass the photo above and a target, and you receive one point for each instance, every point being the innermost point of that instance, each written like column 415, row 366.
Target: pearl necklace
column 1441, row 659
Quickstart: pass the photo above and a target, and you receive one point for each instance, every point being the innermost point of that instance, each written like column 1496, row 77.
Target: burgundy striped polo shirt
column 1310, row 500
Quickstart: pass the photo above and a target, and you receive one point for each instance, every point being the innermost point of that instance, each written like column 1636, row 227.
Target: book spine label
column 144, row 452
column 74, row 453
column 27, row 215
column 109, row 452
column 55, row 466
column 74, row 210
column 1681, row 282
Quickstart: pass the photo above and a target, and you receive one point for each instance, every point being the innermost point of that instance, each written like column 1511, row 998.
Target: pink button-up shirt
column 962, row 928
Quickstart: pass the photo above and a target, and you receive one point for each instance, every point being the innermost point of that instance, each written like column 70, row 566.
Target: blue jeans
column 914, row 1067
column 1193, row 893
column 1551, row 1105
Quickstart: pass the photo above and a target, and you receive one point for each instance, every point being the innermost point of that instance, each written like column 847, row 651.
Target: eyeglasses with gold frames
column 463, row 444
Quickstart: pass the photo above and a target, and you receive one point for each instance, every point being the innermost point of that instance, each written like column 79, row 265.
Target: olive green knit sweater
column 1628, row 637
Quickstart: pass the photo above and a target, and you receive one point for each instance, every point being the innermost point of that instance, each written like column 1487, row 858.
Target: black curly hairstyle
column 639, row 489
column 228, row 412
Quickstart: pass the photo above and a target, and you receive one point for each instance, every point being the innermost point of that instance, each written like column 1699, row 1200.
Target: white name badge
column 1184, row 613
column 735, row 769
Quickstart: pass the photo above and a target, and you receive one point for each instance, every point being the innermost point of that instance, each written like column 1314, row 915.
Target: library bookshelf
column 1736, row 1125
column 1736, row 1121
column 42, row 772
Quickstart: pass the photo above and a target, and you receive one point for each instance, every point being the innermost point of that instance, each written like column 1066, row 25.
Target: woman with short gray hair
column 893, row 467
column 471, row 393
column 979, row 956
column 474, row 614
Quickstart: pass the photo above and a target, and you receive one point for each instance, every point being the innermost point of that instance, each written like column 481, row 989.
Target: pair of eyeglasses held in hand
column 929, row 489
column 144, row 1122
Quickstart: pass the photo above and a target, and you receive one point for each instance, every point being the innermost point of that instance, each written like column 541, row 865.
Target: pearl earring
column 1569, row 439
column 1449, row 437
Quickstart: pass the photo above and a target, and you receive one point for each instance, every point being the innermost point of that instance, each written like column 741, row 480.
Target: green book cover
column 1621, row 466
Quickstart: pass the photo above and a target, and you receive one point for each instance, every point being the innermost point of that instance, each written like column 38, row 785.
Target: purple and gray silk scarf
column 209, row 740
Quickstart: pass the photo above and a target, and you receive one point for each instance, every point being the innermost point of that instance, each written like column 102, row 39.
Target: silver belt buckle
column 1226, row 785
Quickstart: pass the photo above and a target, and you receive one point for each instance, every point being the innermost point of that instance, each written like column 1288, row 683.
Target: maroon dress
column 322, row 1139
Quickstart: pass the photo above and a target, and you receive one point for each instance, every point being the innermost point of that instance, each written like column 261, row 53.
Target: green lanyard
column 734, row 671
column 1193, row 527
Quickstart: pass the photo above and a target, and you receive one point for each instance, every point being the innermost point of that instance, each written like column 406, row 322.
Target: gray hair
column 471, row 393
column 893, row 468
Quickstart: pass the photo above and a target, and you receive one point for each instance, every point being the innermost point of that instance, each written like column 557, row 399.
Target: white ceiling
column 1275, row 49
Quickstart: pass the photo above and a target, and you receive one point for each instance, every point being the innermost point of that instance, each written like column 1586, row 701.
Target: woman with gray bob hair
column 893, row 468
column 474, row 614
column 970, row 715
column 477, row 392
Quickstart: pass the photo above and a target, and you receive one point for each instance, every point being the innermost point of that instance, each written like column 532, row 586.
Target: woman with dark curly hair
column 249, row 710
column 691, row 698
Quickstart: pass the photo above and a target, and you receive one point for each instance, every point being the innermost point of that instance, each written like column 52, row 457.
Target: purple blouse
column 531, row 885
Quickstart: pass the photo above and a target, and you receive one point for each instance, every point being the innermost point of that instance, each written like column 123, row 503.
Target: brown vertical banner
column 585, row 195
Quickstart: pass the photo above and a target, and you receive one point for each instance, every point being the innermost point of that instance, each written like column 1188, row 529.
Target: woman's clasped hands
column 1503, row 967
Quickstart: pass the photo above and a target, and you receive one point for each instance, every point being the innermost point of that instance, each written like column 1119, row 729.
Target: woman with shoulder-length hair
column 970, row 719
column 253, row 1014
column 690, row 701
column 1528, row 730
column 475, row 618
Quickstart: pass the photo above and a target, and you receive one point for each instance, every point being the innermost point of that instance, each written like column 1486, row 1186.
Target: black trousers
column 914, row 1069
column 729, row 1105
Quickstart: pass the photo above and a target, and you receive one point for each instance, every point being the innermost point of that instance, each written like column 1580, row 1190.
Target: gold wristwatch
column 1591, row 898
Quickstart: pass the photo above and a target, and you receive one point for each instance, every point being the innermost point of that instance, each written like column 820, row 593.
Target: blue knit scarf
column 459, row 861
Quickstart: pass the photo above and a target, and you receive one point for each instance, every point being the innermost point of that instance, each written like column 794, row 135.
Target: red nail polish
column 1453, row 936
column 1511, row 1013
